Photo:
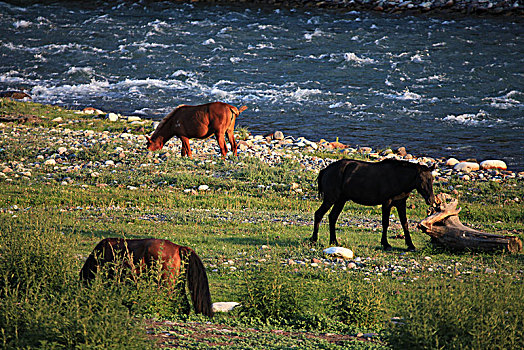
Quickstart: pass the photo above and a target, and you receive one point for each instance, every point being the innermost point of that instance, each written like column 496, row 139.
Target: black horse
column 387, row 183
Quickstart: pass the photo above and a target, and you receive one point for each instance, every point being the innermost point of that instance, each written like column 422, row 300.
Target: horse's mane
column 166, row 119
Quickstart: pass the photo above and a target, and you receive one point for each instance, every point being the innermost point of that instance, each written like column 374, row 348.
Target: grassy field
column 250, row 228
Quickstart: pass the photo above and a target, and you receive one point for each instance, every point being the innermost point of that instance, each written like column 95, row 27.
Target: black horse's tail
column 319, row 182
column 198, row 284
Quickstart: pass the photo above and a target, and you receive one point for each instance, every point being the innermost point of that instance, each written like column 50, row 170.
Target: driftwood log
column 445, row 229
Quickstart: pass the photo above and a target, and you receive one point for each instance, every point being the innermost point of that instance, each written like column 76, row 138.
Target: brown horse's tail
column 236, row 111
column 198, row 284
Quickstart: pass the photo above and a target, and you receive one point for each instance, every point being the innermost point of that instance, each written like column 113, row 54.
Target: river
column 438, row 86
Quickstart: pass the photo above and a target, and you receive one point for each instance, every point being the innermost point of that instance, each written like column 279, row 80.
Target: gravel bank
column 466, row 7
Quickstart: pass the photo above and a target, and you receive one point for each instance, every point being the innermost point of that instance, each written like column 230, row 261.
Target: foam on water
column 352, row 57
column 21, row 24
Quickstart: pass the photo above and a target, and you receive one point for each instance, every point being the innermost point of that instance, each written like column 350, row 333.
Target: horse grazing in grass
column 199, row 122
column 387, row 183
column 140, row 254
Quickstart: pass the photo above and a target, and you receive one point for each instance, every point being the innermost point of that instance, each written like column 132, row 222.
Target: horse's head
column 155, row 143
column 424, row 183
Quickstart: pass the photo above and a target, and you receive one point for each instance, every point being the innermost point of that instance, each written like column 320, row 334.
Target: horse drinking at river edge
column 387, row 183
column 139, row 255
column 199, row 122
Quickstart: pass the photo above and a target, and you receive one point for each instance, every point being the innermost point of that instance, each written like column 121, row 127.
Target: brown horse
column 199, row 122
column 140, row 254
column 387, row 183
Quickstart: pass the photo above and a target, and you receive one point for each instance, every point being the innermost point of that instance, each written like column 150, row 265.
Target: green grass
column 246, row 235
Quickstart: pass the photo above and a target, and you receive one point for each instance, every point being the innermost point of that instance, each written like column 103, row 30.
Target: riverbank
column 273, row 149
column 465, row 7
column 69, row 131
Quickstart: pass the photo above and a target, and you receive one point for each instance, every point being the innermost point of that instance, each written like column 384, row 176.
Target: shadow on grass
column 252, row 241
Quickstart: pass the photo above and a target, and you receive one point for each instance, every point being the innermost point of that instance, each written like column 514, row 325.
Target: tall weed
column 485, row 313
column 270, row 296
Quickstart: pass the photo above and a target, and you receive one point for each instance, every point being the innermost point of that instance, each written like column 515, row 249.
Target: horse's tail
column 198, row 284
column 319, row 183
column 236, row 111
column 88, row 271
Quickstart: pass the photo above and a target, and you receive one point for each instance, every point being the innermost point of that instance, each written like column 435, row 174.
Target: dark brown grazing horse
column 199, row 122
column 140, row 254
column 387, row 183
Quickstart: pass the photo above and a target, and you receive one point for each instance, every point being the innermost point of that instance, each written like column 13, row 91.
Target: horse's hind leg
column 333, row 217
column 186, row 150
column 231, row 136
column 222, row 143
column 401, row 209
column 386, row 210
column 319, row 214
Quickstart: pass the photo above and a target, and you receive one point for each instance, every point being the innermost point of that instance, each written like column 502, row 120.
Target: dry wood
column 445, row 228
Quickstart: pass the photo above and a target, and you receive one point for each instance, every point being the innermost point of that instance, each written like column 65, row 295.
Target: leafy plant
column 270, row 296
column 359, row 304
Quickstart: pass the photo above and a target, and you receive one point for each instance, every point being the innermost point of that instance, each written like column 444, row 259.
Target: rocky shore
column 466, row 7
column 57, row 156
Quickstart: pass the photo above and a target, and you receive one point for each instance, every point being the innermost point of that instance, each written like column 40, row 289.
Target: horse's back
column 367, row 183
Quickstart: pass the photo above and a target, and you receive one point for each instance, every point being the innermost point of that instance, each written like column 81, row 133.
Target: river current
column 438, row 86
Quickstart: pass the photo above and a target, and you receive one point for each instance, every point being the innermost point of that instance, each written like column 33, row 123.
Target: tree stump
column 445, row 229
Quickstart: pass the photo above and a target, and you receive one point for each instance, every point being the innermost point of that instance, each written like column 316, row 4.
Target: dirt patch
column 168, row 334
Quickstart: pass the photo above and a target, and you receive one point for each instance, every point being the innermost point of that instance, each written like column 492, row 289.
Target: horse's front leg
column 386, row 210
column 401, row 209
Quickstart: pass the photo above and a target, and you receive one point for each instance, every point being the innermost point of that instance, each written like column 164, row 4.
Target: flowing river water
column 438, row 86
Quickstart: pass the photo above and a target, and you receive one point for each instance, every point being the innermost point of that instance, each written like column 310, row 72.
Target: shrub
column 271, row 297
column 360, row 305
column 482, row 314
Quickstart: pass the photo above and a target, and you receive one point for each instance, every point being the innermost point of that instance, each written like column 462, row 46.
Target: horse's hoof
column 411, row 248
column 387, row 248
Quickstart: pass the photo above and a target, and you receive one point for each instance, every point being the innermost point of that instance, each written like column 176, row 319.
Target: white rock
column 62, row 150
column 58, row 120
column 113, row 117
column 224, row 306
column 466, row 166
column 452, row 162
column 109, row 162
column 339, row 252
column 50, row 162
column 493, row 164
column 133, row 119
column 203, row 187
